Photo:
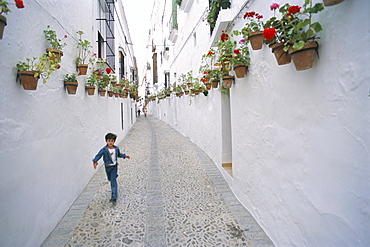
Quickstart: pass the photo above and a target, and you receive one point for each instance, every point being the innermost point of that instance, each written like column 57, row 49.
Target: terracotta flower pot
column 82, row 68
column 331, row 2
column 256, row 40
column 282, row 57
column 227, row 81
column 71, row 87
column 110, row 93
column 240, row 70
column 303, row 58
column 102, row 92
column 28, row 79
column 215, row 83
column 55, row 54
column 2, row 25
column 90, row 90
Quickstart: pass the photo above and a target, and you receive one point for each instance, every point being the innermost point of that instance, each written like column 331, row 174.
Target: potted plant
column 207, row 62
column 216, row 75
column 90, row 84
column 227, row 80
column 301, row 32
column 84, row 50
column 196, row 86
column 116, row 90
column 70, row 82
column 226, row 47
column 240, row 58
column 55, row 52
column 275, row 34
column 113, row 79
column 253, row 29
column 5, row 10
column 102, row 87
column 34, row 68
column 110, row 90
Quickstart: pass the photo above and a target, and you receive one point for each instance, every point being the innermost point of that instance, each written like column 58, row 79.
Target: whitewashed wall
column 47, row 137
column 300, row 140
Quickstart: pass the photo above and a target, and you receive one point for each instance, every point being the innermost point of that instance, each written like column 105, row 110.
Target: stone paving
column 170, row 194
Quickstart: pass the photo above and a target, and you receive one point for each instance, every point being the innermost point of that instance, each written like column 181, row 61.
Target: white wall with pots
column 48, row 137
column 300, row 140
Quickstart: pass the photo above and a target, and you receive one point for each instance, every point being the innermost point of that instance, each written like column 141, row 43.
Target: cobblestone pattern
column 170, row 194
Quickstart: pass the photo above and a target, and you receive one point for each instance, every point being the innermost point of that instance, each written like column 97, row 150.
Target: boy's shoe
column 113, row 200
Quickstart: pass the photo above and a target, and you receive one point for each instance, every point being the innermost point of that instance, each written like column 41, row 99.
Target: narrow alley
column 170, row 194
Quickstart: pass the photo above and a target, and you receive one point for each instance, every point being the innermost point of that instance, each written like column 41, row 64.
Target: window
column 167, row 79
column 122, row 116
column 106, row 39
column 121, row 65
column 155, row 69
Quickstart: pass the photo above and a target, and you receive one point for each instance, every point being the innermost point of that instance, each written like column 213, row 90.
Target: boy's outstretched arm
column 95, row 164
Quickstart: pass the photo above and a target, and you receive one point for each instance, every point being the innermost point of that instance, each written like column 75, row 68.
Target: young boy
column 110, row 153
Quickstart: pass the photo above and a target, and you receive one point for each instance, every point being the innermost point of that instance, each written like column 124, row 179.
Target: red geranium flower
column 224, row 37
column 269, row 33
column 108, row 70
column 236, row 51
column 19, row 4
column 205, row 72
column 210, row 53
column 249, row 14
column 203, row 79
column 293, row 9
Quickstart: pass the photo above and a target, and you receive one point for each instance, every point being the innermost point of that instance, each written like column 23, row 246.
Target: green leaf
column 316, row 26
column 309, row 34
column 299, row 45
column 303, row 23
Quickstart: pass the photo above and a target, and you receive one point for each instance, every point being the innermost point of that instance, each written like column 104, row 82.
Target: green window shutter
column 174, row 14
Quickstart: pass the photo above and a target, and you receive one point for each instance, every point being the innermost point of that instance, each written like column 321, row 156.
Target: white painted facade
column 48, row 137
column 298, row 141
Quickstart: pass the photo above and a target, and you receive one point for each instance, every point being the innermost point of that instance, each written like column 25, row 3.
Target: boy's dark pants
column 112, row 176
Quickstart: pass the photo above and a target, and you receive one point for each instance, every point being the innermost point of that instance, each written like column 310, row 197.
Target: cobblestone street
column 170, row 194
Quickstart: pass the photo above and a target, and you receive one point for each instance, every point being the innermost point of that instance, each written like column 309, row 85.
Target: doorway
column 226, row 134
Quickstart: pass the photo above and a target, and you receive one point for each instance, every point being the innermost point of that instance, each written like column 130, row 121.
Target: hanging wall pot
column 303, row 58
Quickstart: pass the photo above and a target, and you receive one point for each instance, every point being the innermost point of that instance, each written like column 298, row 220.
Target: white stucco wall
column 47, row 137
column 300, row 139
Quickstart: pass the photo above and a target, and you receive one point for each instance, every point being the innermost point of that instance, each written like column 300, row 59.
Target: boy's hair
column 110, row 136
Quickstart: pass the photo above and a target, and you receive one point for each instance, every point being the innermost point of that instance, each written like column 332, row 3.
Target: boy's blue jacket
column 106, row 155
